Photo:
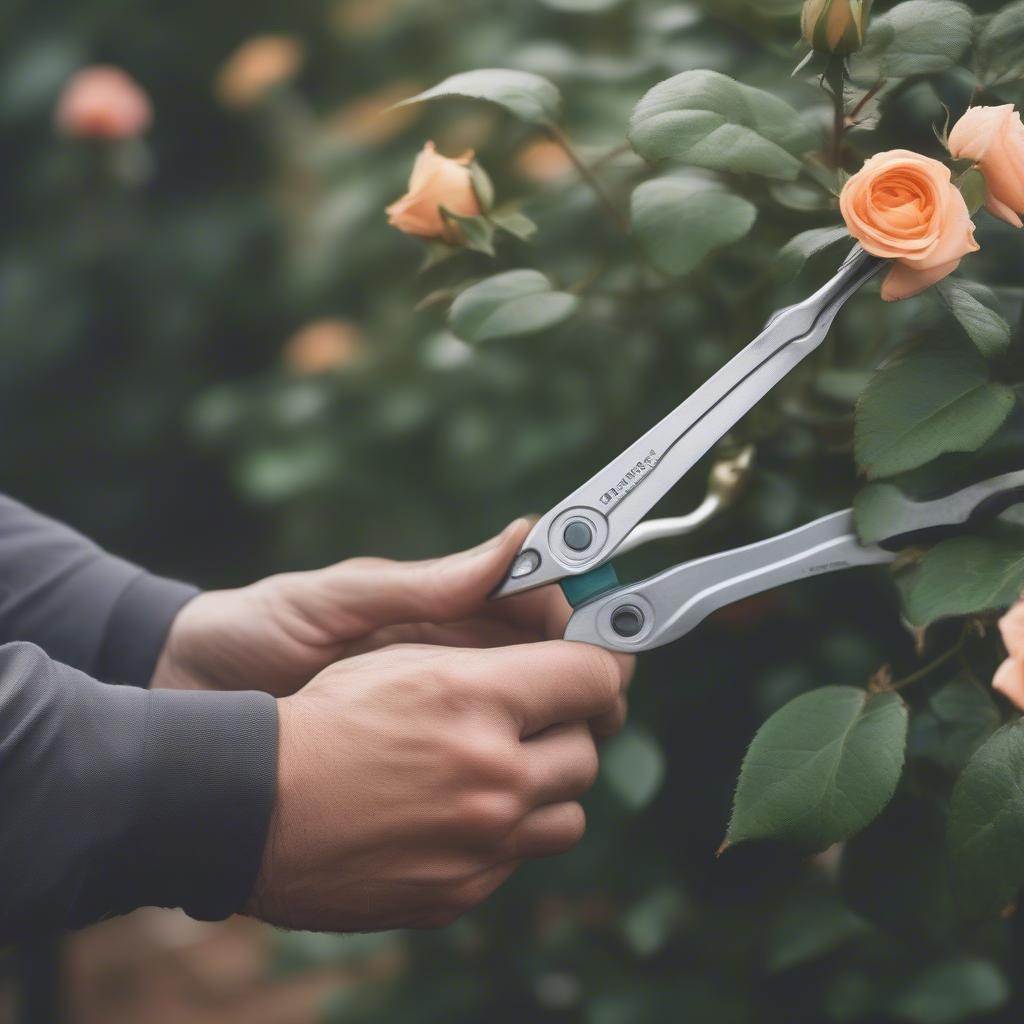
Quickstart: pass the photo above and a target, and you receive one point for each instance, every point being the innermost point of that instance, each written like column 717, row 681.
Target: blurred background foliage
column 214, row 363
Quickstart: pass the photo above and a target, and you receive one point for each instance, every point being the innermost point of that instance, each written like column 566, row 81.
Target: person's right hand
column 413, row 780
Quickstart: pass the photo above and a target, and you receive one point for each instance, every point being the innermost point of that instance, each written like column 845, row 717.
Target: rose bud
column 835, row 26
column 993, row 137
column 436, row 181
column 1009, row 677
column 102, row 102
column 256, row 67
column 905, row 207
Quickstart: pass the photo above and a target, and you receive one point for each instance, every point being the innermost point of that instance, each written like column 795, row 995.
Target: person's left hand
column 275, row 635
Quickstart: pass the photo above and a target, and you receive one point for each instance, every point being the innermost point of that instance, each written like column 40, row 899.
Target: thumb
column 366, row 593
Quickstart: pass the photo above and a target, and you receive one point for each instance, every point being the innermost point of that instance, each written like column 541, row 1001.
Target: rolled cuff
column 137, row 628
column 117, row 798
column 210, row 770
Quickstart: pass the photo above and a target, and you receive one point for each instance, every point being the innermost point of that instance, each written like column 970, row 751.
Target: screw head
column 578, row 535
column 627, row 620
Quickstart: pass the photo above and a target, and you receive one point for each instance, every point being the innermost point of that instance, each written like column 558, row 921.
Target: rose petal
column 905, row 281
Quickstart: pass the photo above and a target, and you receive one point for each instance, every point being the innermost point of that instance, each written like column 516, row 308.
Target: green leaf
column 965, row 576
column 875, row 509
column 984, row 326
column 634, row 766
column 678, row 221
column 821, row 768
column 807, row 928
column 482, row 186
column 477, row 232
column 951, row 993
column 936, row 399
column 986, row 824
column 710, row 120
column 919, row 37
column 526, row 95
column 648, row 924
column 1000, row 47
column 800, row 248
column 583, row 6
column 955, row 720
column 973, row 188
column 510, row 304
column 896, row 873
column 515, row 223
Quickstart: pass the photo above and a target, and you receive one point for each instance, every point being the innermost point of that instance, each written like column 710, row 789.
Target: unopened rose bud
column 437, row 181
column 835, row 26
column 103, row 102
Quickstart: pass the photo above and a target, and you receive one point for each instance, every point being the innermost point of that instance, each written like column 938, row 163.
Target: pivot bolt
column 578, row 535
column 627, row 620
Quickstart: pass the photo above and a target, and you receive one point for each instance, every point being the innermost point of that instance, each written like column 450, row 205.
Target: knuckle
column 491, row 816
column 472, row 893
column 603, row 673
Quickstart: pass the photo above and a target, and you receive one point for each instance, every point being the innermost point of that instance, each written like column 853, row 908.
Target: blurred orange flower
column 362, row 17
column 993, row 137
column 542, row 161
column 436, row 181
column 322, row 345
column 904, row 206
column 103, row 102
column 256, row 67
column 374, row 118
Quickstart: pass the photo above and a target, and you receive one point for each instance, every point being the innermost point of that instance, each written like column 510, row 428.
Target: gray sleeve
column 81, row 605
column 116, row 797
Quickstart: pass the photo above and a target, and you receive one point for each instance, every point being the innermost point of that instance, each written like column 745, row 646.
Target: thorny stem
column 858, row 108
column 587, row 174
column 835, row 77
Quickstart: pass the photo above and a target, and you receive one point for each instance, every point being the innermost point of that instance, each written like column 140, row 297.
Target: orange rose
column 905, row 207
column 993, row 137
column 256, row 67
column 103, row 103
column 1009, row 677
column 436, row 181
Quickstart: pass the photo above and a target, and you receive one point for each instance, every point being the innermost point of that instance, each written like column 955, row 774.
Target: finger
column 361, row 594
column 471, row 633
column 544, row 612
column 548, row 683
column 611, row 723
column 548, row 831
column 561, row 763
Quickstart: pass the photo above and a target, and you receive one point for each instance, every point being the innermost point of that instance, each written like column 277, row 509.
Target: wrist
column 268, row 901
column 177, row 667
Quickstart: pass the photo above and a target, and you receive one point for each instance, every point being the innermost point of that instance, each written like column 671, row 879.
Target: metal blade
column 667, row 606
column 585, row 529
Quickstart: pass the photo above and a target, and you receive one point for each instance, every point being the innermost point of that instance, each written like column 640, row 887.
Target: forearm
column 83, row 606
column 116, row 797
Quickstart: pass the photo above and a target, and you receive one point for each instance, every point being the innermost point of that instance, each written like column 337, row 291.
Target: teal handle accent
column 580, row 589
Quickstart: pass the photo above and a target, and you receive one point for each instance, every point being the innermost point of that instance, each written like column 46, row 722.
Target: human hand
column 275, row 635
column 413, row 780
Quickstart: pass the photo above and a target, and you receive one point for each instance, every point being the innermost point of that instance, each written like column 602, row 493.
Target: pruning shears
column 573, row 542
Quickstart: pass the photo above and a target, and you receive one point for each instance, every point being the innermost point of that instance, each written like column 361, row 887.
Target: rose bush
column 683, row 185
